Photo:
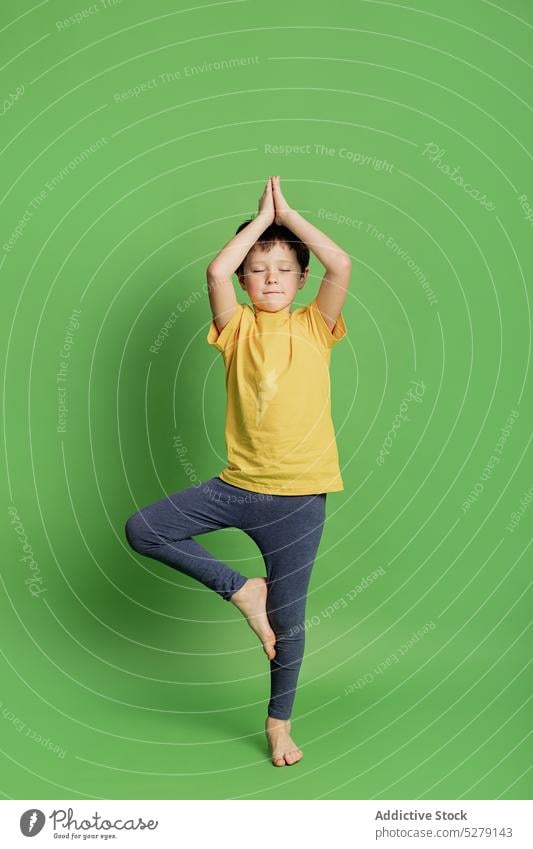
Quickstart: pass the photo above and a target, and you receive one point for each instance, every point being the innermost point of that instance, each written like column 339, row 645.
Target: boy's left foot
column 251, row 601
column 284, row 750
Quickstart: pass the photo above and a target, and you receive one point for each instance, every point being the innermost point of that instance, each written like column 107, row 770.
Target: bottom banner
column 263, row 823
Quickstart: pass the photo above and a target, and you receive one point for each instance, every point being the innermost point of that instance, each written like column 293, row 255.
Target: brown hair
column 277, row 233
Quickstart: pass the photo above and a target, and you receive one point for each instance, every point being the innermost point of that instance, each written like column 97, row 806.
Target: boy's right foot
column 283, row 748
column 251, row 601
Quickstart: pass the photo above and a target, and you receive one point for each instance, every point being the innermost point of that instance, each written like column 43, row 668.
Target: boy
column 282, row 454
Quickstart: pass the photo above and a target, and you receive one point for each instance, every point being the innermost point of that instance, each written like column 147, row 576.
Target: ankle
column 237, row 596
column 274, row 722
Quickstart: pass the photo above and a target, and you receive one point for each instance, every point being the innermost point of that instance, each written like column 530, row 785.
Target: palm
column 280, row 204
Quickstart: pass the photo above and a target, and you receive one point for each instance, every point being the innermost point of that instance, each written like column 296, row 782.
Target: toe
column 293, row 757
column 279, row 761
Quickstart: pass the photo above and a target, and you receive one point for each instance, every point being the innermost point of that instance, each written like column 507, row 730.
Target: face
column 272, row 278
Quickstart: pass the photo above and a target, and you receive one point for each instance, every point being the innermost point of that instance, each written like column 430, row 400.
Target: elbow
column 341, row 267
column 211, row 271
column 342, row 263
column 215, row 272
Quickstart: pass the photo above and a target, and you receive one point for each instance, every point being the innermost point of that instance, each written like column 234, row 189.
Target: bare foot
column 251, row 601
column 284, row 750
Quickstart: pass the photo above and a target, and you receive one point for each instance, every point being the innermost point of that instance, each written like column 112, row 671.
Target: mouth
column 272, row 293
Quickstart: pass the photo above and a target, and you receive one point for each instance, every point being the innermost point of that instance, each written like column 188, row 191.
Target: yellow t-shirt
column 279, row 432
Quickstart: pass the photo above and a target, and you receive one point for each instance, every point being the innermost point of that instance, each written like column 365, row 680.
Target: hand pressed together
column 272, row 204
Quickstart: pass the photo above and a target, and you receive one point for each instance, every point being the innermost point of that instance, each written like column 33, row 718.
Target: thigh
column 288, row 533
column 188, row 512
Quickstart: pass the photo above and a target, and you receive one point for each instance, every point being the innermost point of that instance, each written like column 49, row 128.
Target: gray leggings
column 287, row 530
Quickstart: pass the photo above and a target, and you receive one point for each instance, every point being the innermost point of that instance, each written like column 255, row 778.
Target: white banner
column 263, row 824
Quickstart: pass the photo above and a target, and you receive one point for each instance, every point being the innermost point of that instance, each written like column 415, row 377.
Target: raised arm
column 220, row 270
column 338, row 265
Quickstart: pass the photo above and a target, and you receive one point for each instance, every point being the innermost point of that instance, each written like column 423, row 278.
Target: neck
column 285, row 310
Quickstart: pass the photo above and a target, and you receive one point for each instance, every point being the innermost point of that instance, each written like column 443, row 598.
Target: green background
column 150, row 685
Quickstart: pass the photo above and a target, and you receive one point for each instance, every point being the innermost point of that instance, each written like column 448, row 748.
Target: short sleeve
column 320, row 330
column 229, row 332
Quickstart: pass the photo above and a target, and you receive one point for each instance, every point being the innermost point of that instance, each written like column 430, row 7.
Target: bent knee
column 137, row 531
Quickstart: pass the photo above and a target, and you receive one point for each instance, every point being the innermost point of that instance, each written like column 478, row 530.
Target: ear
column 303, row 277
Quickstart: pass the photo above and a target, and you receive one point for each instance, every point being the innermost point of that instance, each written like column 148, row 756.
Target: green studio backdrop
column 135, row 139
